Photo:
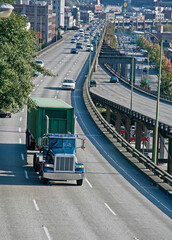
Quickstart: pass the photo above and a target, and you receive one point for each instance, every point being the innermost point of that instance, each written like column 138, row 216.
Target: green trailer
column 49, row 116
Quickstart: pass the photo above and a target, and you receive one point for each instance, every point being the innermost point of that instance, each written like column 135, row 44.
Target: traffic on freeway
column 114, row 202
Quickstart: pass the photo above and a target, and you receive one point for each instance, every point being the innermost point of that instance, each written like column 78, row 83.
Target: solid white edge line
column 26, row 174
column 36, row 205
column 110, row 209
column 22, row 156
column 88, row 183
column 47, row 233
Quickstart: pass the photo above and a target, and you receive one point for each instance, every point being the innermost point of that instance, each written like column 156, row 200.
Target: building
column 40, row 16
column 58, row 8
column 76, row 15
column 86, row 16
column 68, row 20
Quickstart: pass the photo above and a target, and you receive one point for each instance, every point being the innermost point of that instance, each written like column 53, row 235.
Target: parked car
column 74, row 50
column 114, row 79
column 39, row 62
column 93, row 83
column 68, row 84
column 79, row 45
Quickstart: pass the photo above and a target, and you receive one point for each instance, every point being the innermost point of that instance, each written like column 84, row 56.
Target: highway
column 121, row 94
column 115, row 201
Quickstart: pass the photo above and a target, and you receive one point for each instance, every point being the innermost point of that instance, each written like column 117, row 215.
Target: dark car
column 145, row 70
column 79, row 45
column 74, row 50
column 36, row 73
column 114, row 79
column 93, row 83
column 5, row 114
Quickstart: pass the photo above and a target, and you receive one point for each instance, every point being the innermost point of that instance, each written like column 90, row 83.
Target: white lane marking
column 46, row 232
column 23, row 110
column 19, row 129
column 22, row 156
column 137, row 183
column 110, row 209
column 55, row 97
column 36, row 205
column 20, row 140
column 20, row 119
column 88, row 183
column 26, row 174
column 33, row 90
column 37, row 85
column 41, row 80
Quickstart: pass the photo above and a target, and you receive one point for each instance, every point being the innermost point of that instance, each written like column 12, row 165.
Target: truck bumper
column 63, row 176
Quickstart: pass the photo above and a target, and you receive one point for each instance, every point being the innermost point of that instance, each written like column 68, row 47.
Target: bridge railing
column 95, row 114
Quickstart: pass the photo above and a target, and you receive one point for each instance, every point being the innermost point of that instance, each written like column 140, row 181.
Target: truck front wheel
column 79, row 182
column 35, row 165
column 44, row 180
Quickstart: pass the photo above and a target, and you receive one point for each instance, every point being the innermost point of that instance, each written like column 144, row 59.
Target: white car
column 68, row 84
column 39, row 62
column 73, row 40
column 88, row 47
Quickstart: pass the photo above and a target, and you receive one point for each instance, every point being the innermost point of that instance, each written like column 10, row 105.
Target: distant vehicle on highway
column 74, row 50
column 114, row 79
column 36, row 73
column 77, row 37
column 93, row 83
column 145, row 70
column 79, row 45
column 89, row 47
column 4, row 114
column 40, row 62
column 73, row 40
column 68, row 84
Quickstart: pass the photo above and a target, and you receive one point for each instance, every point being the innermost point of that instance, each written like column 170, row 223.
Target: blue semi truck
column 55, row 158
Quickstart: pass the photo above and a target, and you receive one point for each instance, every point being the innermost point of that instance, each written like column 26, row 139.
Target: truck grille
column 64, row 164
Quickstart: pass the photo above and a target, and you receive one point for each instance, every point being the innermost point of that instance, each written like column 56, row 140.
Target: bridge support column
column 96, row 64
column 162, row 143
column 134, row 70
column 138, row 135
column 124, row 70
column 169, row 167
column 118, row 68
column 108, row 114
column 118, row 122
column 127, row 129
column 154, row 146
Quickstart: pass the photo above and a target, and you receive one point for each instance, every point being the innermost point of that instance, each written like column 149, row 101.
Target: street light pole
column 154, row 157
column 132, row 71
column 5, row 10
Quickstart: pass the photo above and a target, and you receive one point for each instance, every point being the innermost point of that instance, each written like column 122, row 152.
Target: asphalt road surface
column 115, row 201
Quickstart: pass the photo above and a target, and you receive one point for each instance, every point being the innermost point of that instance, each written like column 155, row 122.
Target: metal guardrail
column 164, row 180
column 149, row 92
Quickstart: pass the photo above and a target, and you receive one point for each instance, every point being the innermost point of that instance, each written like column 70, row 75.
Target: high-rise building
column 40, row 17
column 58, row 8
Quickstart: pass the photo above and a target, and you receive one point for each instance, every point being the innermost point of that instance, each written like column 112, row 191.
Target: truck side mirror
column 83, row 144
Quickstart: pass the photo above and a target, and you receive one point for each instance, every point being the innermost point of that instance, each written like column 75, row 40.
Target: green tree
column 111, row 35
column 18, row 48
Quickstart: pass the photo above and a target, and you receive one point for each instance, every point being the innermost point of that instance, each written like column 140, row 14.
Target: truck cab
column 57, row 159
